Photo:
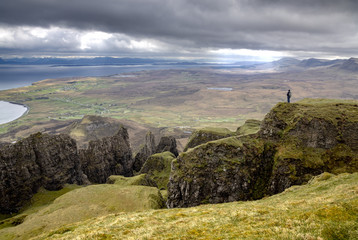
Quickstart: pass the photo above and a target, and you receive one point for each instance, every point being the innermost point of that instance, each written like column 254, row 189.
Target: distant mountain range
column 287, row 63
column 350, row 64
column 82, row 61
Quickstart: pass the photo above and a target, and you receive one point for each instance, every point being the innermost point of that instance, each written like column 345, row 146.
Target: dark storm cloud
column 284, row 25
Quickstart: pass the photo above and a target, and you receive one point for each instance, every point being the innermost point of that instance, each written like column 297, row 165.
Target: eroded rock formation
column 39, row 160
column 167, row 143
column 147, row 149
column 107, row 156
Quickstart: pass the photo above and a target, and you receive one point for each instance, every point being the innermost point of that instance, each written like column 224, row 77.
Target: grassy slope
column 251, row 126
column 81, row 204
column 325, row 208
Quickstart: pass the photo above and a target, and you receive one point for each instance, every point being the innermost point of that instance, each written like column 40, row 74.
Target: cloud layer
column 186, row 28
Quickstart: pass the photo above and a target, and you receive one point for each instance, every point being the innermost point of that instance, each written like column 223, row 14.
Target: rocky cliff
column 313, row 136
column 295, row 142
column 167, row 143
column 147, row 149
column 50, row 161
column 39, row 160
column 107, row 156
column 224, row 170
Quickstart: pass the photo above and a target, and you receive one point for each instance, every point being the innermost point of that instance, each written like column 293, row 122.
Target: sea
column 15, row 76
column 10, row 111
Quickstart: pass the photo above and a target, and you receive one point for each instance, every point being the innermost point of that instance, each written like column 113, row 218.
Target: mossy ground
column 329, row 109
column 157, row 167
column 325, row 208
column 40, row 200
column 250, row 126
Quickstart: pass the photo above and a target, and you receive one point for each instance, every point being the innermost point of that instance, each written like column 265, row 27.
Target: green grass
column 325, row 208
column 168, row 98
column 207, row 134
column 331, row 110
column 139, row 180
column 40, row 200
column 250, row 126
column 82, row 204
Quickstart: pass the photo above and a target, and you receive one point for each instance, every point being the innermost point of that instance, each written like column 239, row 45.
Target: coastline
column 22, row 115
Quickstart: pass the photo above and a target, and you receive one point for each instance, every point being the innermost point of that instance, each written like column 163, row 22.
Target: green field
column 175, row 100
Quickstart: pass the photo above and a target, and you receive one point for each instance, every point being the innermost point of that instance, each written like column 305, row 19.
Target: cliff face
column 296, row 142
column 39, row 160
column 225, row 170
column 50, row 161
column 143, row 154
column 107, row 156
column 313, row 136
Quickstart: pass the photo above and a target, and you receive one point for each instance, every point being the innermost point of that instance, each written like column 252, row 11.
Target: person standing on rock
column 289, row 96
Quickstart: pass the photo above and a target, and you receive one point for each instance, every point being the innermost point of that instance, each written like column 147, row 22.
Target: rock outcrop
column 92, row 127
column 146, row 150
column 40, row 160
column 50, row 161
column 157, row 167
column 207, row 134
column 107, row 156
column 224, row 170
column 313, row 136
column 167, row 143
column 296, row 142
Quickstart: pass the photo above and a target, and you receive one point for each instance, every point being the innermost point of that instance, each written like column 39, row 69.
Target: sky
column 213, row 30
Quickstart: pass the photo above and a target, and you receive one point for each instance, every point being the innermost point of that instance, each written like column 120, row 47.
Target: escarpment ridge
column 295, row 142
column 51, row 161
